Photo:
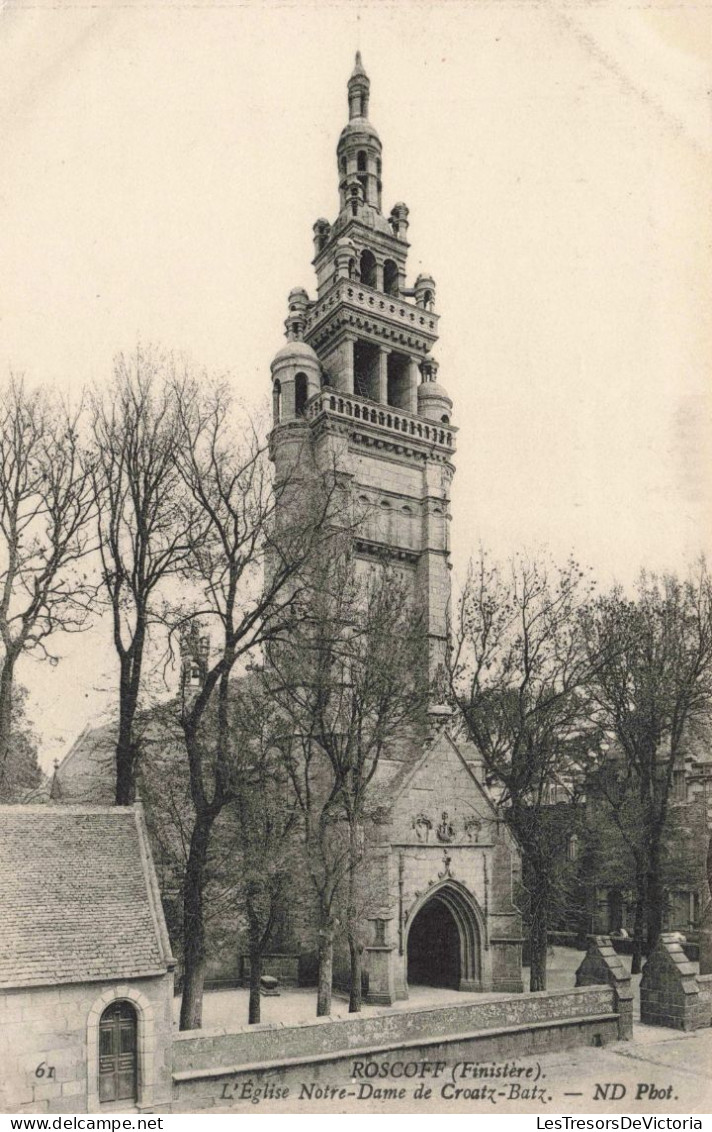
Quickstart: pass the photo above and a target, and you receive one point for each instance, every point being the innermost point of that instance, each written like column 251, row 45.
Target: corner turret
column 296, row 371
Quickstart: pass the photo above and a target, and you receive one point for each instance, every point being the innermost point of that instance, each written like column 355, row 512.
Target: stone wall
column 704, row 985
column 49, row 1044
column 273, row 1041
column 601, row 965
column 281, row 966
column 225, row 1070
column 670, row 989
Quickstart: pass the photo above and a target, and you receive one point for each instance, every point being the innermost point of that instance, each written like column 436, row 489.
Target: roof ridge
column 152, row 888
column 61, row 808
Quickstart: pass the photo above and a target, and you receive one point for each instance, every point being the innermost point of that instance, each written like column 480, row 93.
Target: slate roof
column 78, row 896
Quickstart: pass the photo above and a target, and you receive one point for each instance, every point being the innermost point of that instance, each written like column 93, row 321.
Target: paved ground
column 660, row 1071
column 228, row 1008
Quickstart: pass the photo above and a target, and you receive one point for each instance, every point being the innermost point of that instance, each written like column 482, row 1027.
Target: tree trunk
column 191, row 1008
column 538, row 944
column 326, row 969
column 6, row 679
column 655, row 909
column 355, row 949
column 255, row 977
column 355, row 997
column 638, row 922
column 125, row 748
column 125, row 786
column 256, row 946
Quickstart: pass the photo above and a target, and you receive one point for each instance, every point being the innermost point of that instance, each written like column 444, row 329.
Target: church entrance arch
column 443, row 947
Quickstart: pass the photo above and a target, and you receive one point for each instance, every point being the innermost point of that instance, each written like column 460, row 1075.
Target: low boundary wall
column 223, row 1070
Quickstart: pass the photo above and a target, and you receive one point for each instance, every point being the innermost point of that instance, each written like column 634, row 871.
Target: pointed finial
column 358, row 67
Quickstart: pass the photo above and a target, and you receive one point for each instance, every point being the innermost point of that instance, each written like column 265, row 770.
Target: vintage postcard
column 356, row 661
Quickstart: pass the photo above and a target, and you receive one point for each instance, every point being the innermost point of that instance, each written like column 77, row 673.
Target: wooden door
column 117, row 1053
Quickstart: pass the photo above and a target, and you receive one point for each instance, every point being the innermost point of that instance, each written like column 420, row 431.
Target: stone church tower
column 358, row 376
column 356, row 384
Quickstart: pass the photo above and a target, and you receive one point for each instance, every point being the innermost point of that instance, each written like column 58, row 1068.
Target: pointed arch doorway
column 443, row 947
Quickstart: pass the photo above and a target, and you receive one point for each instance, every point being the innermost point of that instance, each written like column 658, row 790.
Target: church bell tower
column 356, row 389
column 357, row 381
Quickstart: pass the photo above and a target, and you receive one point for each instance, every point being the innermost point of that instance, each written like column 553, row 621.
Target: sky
column 163, row 165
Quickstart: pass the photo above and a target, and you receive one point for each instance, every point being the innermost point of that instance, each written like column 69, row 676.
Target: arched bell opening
column 444, row 941
column 277, row 401
column 301, row 394
column 368, row 268
column 390, row 277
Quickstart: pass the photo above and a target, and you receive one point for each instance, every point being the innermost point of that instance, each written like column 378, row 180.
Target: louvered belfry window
column 117, row 1053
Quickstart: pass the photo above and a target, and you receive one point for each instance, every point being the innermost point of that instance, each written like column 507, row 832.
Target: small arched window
column 390, row 277
column 368, row 268
column 277, row 401
column 300, row 394
column 428, row 300
column 445, row 419
column 361, row 161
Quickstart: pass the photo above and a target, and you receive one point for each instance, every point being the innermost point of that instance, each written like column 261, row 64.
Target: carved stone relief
column 473, row 829
column 446, row 830
column 422, row 826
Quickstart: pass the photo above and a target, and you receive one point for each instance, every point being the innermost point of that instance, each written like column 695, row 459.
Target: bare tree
column 45, row 511
column 22, row 772
column 316, row 789
column 349, row 686
column 143, row 529
column 520, row 674
column 245, row 565
column 265, row 821
column 654, row 687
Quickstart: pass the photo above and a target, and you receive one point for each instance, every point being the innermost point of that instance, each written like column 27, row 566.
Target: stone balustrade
column 394, row 308
column 382, row 416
